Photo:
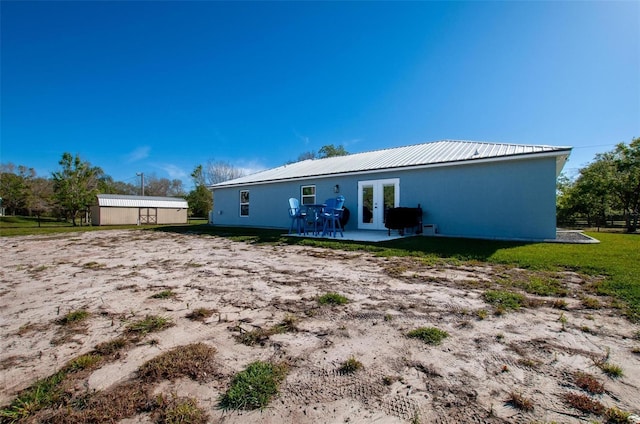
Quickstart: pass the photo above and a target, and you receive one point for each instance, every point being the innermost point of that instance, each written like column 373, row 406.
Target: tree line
column 606, row 188
column 69, row 192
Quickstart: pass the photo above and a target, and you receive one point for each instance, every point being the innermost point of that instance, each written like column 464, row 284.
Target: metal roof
column 438, row 153
column 124, row 201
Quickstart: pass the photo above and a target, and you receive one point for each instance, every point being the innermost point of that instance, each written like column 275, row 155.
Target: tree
column 40, row 197
column 327, row 151
column 107, row 185
column 75, row 185
column 330, row 151
column 217, row 172
column 610, row 184
column 14, row 187
column 200, row 198
column 155, row 186
column 625, row 161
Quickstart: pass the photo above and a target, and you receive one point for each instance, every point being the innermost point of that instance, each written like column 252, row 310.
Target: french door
column 374, row 198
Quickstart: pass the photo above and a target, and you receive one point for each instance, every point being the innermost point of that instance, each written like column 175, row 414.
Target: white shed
column 118, row 209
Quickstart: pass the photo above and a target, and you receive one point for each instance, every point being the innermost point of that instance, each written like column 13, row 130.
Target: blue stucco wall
column 512, row 199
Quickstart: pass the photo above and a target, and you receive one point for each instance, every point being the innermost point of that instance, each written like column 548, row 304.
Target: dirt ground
column 472, row 376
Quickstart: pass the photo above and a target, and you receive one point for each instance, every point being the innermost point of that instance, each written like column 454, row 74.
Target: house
column 116, row 209
column 465, row 189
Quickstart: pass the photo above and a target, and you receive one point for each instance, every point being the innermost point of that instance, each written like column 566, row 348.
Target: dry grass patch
column 584, row 403
column 176, row 410
column 588, row 383
column 518, row 401
column 195, row 361
column 150, row 324
column 73, row 317
column 350, row 366
column 200, row 314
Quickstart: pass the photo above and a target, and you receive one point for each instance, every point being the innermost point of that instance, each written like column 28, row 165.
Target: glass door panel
column 374, row 199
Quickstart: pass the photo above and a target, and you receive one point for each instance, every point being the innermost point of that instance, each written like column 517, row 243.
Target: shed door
column 374, row 198
column 148, row 215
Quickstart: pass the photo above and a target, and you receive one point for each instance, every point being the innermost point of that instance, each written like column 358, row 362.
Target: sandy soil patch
column 535, row 352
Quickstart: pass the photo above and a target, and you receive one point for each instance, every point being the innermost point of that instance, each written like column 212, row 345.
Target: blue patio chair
column 297, row 216
column 332, row 215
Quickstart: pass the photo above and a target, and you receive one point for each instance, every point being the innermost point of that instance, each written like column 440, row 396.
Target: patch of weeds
column 31, row 327
column 254, row 387
column 612, row 370
column 544, row 287
column 504, row 299
column 261, row 335
column 191, row 264
column 586, row 329
column 559, row 304
column 520, row 402
column 194, row 361
column 529, row 363
column 112, row 405
column 111, row 347
column 350, row 366
column 180, row 410
column 332, row 299
column 614, row 415
column 584, row 403
column 635, row 350
column 253, row 337
column 388, row 380
column 149, row 324
column 429, row 335
column 288, row 325
column 94, row 265
column 84, row 362
column 164, row 294
column 591, row 303
column 500, row 337
column 388, row 317
column 73, row 317
column 636, row 335
column 563, row 321
column 482, row 314
column 588, row 383
column 200, row 314
column 42, row 394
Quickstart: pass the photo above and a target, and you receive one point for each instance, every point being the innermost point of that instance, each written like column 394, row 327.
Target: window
column 244, row 202
column 308, row 195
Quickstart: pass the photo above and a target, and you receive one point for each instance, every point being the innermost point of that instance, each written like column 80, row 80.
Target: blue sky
column 160, row 87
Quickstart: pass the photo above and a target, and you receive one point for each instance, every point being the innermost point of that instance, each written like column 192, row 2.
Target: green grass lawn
column 617, row 256
column 24, row 225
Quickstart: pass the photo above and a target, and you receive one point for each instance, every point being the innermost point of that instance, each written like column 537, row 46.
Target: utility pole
column 141, row 175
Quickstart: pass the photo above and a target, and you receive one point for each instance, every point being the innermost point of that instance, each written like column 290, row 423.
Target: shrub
column 504, row 299
column 332, row 299
column 254, row 387
column 429, row 335
column 350, row 366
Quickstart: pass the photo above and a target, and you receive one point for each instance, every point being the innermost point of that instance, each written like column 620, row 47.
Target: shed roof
column 438, row 153
column 125, row 201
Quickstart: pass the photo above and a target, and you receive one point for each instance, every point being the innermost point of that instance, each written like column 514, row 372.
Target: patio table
column 314, row 217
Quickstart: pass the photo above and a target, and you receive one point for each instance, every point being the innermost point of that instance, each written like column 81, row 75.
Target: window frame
column 244, row 206
column 306, row 196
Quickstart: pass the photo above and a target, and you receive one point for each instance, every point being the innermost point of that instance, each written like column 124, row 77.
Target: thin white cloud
column 249, row 166
column 138, row 154
column 174, row 171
